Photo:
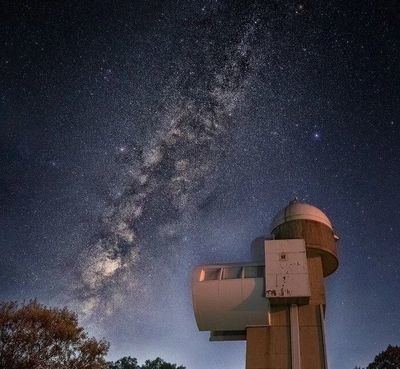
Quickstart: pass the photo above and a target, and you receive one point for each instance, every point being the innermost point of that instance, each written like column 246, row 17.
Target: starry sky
column 141, row 138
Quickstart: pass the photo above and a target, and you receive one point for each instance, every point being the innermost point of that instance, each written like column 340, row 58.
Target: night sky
column 141, row 138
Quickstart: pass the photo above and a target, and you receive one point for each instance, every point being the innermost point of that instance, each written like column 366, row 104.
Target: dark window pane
column 232, row 273
column 254, row 271
column 211, row 274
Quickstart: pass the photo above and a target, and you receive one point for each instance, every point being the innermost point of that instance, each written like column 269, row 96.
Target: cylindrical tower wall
column 320, row 240
column 271, row 346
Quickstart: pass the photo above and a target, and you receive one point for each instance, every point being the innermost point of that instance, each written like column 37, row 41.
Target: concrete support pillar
column 295, row 337
column 269, row 347
column 272, row 347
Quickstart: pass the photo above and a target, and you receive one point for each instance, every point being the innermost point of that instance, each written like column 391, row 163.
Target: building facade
column 276, row 302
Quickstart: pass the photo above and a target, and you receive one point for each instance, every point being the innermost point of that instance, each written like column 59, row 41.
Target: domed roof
column 298, row 210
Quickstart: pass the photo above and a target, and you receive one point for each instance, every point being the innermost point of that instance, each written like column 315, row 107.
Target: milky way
column 167, row 179
column 141, row 138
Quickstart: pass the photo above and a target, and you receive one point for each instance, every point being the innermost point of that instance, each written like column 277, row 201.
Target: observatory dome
column 297, row 210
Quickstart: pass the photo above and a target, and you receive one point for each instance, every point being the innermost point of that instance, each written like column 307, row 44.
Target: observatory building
column 276, row 302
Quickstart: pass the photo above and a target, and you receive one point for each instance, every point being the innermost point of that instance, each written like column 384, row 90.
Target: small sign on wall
column 286, row 272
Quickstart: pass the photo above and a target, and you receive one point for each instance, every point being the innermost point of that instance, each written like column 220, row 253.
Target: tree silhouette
column 131, row 363
column 388, row 359
column 126, row 362
column 33, row 336
column 159, row 363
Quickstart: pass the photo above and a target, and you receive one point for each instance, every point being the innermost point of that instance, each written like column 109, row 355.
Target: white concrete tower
column 276, row 302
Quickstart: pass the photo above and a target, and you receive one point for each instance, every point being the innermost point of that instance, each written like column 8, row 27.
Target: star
column 170, row 135
column 122, row 149
column 316, row 136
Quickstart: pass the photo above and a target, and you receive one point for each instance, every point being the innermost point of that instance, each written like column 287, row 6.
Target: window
column 232, row 273
column 256, row 271
column 211, row 274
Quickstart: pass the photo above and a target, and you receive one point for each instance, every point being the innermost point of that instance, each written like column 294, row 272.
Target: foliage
column 131, row 363
column 126, row 362
column 33, row 336
column 388, row 359
column 160, row 364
